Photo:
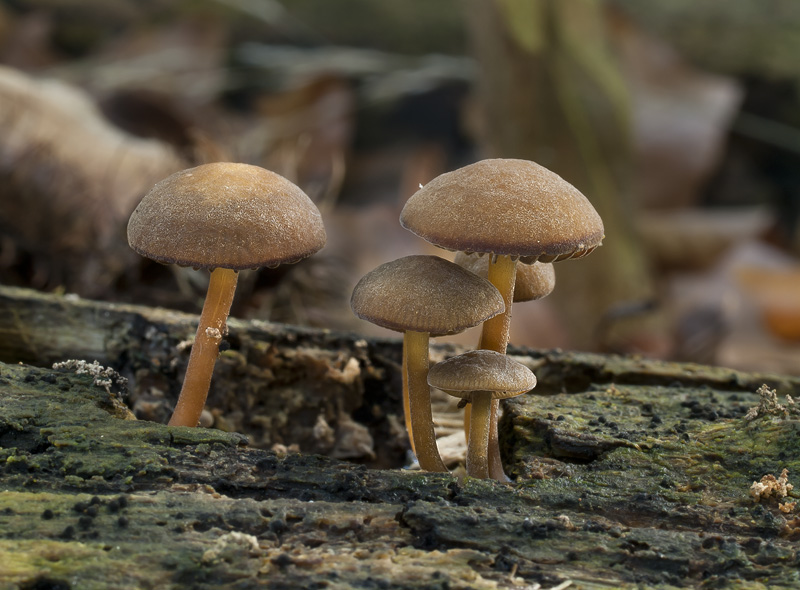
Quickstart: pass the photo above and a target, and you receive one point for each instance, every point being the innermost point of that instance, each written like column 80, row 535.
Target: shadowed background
column 676, row 119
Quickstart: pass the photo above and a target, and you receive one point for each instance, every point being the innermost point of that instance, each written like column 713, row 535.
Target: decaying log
column 629, row 473
column 325, row 392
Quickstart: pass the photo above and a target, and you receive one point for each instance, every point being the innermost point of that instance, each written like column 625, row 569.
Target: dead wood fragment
column 658, row 497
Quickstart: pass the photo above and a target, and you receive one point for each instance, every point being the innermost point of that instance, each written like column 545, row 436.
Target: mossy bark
column 629, row 473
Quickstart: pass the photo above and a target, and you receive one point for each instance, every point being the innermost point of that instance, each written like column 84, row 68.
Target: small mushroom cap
column 505, row 206
column 533, row 281
column 481, row 370
column 226, row 215
column 425, row 294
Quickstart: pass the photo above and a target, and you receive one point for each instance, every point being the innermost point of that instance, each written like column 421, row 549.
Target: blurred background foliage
column 678, row 119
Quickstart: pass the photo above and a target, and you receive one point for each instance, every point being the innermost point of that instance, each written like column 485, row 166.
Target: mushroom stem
column 419, row 394
column 406, row 402
column 205, row 349
column 502, row 274
column 477, row 460
column 496, row 470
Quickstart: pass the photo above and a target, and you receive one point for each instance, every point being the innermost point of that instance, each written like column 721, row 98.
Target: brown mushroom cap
column 533, row 281
column 425, row 294
column 226, row 215
column 481, row 370
column 506, row 207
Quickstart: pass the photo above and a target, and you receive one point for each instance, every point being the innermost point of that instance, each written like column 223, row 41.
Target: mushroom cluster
column 496, row 214
column 479, row 377
column 423, row 296
column 507, row 220
column 224, row 217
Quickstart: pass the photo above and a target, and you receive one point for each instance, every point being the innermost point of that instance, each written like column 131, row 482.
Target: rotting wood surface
column 630, row 473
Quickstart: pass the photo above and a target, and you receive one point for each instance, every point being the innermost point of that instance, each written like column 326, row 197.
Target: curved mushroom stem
column 502, row 274
column 496, row 470
column 477, row 459
column 205, row 348
column 406, row 402
column 419, row 394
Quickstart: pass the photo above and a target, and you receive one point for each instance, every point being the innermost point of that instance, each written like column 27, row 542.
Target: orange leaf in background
column 777, row 294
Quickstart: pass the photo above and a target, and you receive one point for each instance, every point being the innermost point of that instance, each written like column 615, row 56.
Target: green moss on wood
column 656, row 494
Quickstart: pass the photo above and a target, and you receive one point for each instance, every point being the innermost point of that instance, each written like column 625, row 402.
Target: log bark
column 629, row 473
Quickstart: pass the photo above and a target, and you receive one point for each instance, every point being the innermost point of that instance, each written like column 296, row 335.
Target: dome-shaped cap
column 533, row 281
column 481, row 370
column 510, row 207
column 425, row 294
column 226, row 215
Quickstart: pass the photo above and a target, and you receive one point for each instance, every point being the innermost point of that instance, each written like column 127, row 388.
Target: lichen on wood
column 629, row 473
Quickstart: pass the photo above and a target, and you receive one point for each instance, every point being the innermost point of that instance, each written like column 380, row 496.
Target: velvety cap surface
column 481, row 370
column 533, row 281
column 505, row 206
column 226, row 215
column 425, row 294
